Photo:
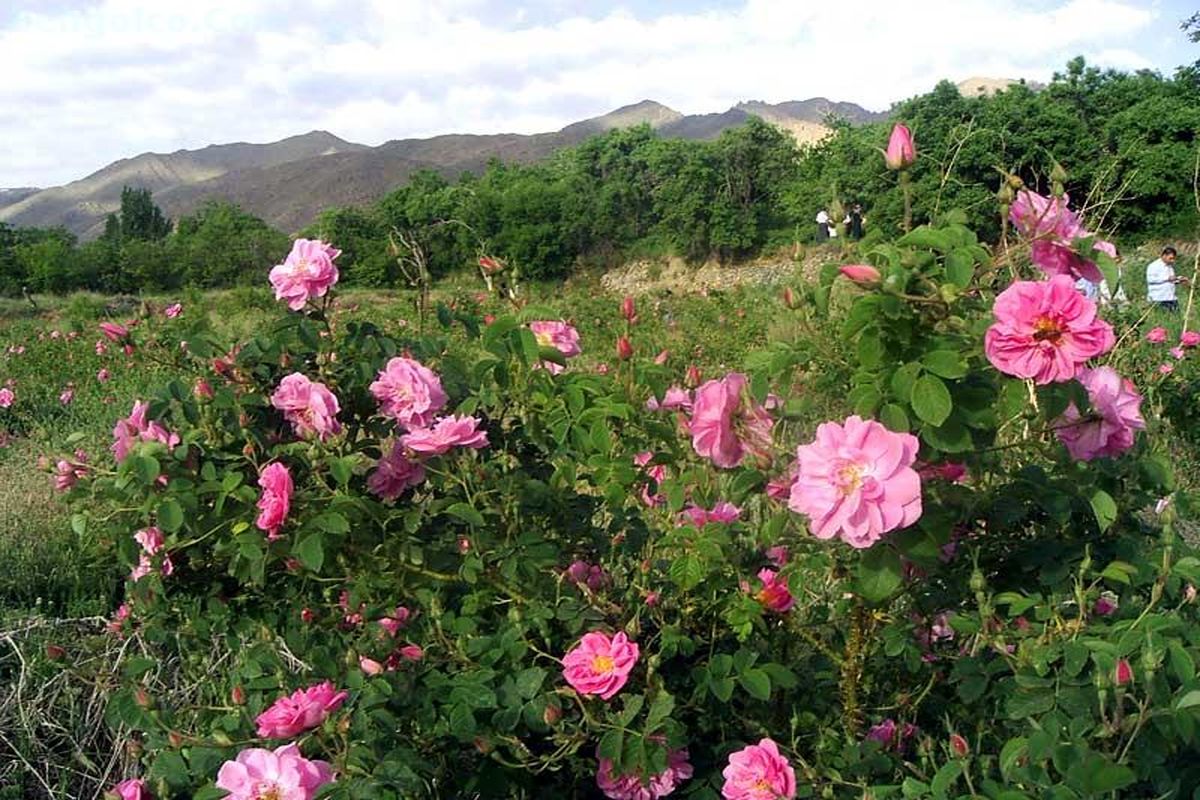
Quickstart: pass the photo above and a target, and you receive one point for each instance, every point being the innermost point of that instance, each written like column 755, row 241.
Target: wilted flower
column 727, row 424
column 174, row 310
column 276, row 499
column 774, row 594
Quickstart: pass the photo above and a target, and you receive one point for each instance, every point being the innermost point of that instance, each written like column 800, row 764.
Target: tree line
column 1128, row 142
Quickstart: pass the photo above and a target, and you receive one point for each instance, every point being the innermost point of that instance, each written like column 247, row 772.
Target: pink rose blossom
column 281, row 774
column 113, row 332
column 632, row 786
column 856, row 481
column 411, row 652
column 778, row 555
column 1045, row 330
column 1115, row 416
column 144, row 567
column 863, row 274
column 67, row 396
column 151, row 539
column 1189, row 338
column 302, row 710
column 309, row 406
column 132, row 789
column 394, row 474
column 136, row 428
column 276, row 499
column 654, row 472
column 676, row 398
column 891, row 735
column 306, row 273
column 1054, row 229
column 726, row 424
column 103, row 376
column 174, row 310
column 559, row 335
column 600, row 665
column 446, row 433
column 1106, row 604
column 901, row 150
column 409, row 393
column 1177, row 352
column 723, row 512
column 591, row 575
column 396, row 621
column 774, row 594
column 1166, row 369
column 68, row 473
column 370, row 666
column 7, row 397
column 759, row 772
column 1157, row 335
column 202, row 390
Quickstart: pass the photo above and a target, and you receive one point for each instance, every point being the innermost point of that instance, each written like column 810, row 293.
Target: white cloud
column 86, row 86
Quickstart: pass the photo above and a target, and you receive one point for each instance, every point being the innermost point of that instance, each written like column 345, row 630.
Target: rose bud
column 624, row 348
column 863, row 274
column 237, row 695
column 901, row 150
column 959, row 746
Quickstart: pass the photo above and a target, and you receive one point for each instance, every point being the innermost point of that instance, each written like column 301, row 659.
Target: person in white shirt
column 1161, row 280
column 823, row 225
column 1100, row 292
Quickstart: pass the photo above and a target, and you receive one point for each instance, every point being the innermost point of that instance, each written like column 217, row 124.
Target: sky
column 86, row 83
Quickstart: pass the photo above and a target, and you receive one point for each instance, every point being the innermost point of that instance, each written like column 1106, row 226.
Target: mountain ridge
column 289, row 181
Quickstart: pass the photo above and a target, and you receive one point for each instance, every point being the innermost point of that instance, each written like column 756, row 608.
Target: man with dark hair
column 1161, row 280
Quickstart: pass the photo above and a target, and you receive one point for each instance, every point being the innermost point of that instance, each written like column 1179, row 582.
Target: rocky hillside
column 288, row 182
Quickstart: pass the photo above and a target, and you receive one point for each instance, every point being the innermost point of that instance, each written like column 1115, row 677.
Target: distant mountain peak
column 650, row 112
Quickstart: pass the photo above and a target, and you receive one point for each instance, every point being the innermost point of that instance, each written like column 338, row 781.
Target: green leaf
column 931, row 400
column 893, row 418
column 1105, row 509
column 633, row 705
column 756, row 683
column 1189, row 700
column 311, row 551
column 1013, row 751
column 960, row 267
column 660, row 711
column 466, row 513
column 79, row 523
column 529, row 681
column 926, row 238
column 722, row 688
column 1109, row 777
column 870, row 350
column 169, row 515
column 552, row 354
column 903, row 380
column 611, row 744
column 945, row 778
column 341, row 469
column 946, row 363
column 878, row 574
column 686, row 571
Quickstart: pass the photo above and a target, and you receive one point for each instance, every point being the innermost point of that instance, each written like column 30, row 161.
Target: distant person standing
column 855, row 228
column 1161, row 280
column 822, row 225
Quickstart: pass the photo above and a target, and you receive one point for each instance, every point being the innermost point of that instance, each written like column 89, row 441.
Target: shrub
column 454, row 564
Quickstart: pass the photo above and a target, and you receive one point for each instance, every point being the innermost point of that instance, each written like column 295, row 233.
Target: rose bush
column 453, row 564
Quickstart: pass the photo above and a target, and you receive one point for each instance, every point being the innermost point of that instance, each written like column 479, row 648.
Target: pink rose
column 891, row 735
column 723, row 512
column 151, row 539
column 727, row 424
column 856, row 481
column 863, row 274
column 132, row 789
column 446, row 433
column 6, row 397
column 675, row 398
column 1106, row 605
column 174, row 310
column 1053, row 229
column 302, row 710
column 396, row 621
column 901, row 150
column 633, row 786
column 408, row 392
column 778, row 555
column 136, row 428
column 306, row 273
column 281, row 774
column 774, row 594
column 68, row 473
column 559, row 335
column 103, row 375
column 1166, row 369
column 276, row 499
column 653, row 472
column 308, row 405
column 759, row 772
column 394, row 474
column 1177, row 352
column 113, row 332
column 411, row 652
column 1045, row 330
column 1157, row 335
column 1189, row 338
column 370, row 666
column 67, row 396
column 600, row 665
column 1115, row 417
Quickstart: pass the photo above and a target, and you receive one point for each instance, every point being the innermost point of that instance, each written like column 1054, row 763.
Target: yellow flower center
column 761, row 785
column 602, row 664
column 849, row 479
column 1047, row 330
column 271, row 792
column 544, row 339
